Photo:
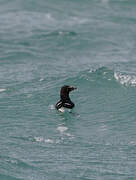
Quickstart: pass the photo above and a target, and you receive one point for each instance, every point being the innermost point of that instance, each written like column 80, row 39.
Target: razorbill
column 65, row 101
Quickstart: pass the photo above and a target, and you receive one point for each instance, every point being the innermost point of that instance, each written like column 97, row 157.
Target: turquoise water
column 89, row 44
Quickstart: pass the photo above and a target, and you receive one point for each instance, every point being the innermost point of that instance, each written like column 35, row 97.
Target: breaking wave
column 105, row 76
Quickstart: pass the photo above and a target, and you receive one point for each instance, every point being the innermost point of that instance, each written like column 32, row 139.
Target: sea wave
column 8, row 177
column 125, row 79
column 26, row 20
column 104, row 76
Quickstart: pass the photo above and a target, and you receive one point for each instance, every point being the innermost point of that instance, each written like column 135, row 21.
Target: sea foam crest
column 102, row 73
column 41, row 139
column 61, row 129
column 125, row 79
column 2, row 90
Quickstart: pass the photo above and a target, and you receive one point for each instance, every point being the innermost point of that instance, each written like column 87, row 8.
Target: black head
column 65, row 90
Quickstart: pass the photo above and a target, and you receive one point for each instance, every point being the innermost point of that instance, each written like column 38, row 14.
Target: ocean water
column 44, row 45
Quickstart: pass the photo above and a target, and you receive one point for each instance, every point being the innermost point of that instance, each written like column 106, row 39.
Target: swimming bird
column 65, row 101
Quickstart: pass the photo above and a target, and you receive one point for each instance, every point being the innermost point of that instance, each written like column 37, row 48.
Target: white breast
column 62, row 110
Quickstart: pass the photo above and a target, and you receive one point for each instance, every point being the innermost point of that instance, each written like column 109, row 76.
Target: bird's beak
column 72, row 88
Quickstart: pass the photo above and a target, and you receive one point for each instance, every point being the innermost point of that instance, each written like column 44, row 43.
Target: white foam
column 125, row 79
column 2, row 90
column 48, row 141
column 41, row 139
column 52, row 107
column 60, row 32
column 38, row 139
column 132, row 142
column 69, row 135
column 41, row 79
column 62, row 129
column 58, row 141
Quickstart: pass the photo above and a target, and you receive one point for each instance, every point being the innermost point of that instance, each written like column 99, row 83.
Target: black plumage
column 65, row 100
